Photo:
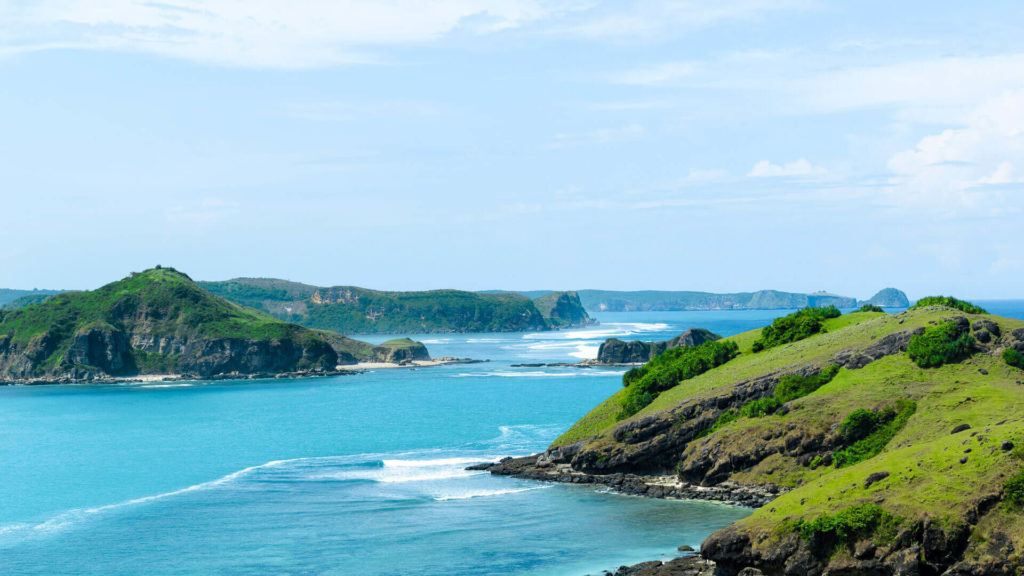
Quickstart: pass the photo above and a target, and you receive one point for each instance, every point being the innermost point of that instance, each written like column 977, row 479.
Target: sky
column 734, row 145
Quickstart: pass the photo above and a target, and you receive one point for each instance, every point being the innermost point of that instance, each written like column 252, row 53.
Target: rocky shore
column 539, row 467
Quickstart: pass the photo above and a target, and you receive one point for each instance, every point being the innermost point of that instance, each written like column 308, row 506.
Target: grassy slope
column 923, row 459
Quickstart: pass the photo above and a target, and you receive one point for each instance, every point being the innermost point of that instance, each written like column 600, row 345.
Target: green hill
column 10, row 298
column 161, row 322
column 870, row 462
column 355, row 310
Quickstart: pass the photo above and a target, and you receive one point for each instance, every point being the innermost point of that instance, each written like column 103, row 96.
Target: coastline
column 340, row 370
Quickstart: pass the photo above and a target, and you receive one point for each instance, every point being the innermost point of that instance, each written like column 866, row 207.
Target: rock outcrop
column 888, row 298
column 615, row 351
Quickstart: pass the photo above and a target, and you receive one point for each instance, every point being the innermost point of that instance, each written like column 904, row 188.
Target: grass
column 932, row 473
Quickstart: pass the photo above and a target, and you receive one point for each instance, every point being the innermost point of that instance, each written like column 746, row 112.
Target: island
column 354, row 310
column 161, row 323
column 870, row 443
column 668, row 300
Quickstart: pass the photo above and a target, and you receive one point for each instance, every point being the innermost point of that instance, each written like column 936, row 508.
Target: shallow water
column 359, row 474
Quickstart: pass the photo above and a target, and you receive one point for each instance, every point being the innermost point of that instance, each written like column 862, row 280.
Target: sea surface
column 360, row 474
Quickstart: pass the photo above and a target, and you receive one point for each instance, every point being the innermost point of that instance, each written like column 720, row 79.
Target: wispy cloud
column 798, row 169
column 590, row 137
column 335, row 111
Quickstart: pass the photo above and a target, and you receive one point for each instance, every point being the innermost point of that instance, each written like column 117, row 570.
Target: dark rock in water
column 875, row 477
column 685, row 548
column 960, row 428
column 685, row 566
column 482, row 466
column 615, row 351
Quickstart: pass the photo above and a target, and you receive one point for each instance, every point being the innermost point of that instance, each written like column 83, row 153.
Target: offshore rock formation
column 615, row 351
column 888, row 298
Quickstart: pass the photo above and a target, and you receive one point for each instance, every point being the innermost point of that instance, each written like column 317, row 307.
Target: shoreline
column 340, row 370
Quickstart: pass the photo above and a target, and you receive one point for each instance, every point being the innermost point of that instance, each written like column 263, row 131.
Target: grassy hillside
column 354, row 310
column 879, row 460
column 159, row 321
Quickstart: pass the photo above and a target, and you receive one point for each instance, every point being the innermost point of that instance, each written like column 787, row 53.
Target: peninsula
column 872, row 443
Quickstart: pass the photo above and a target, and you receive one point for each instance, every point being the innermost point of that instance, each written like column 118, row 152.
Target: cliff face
column 562, row 310
column 615, row 351
column 160, row 322
column 868, row 463
column 354, row 310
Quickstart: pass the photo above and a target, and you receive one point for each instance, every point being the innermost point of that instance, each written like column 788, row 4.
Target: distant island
column 354, row 310
column 667, row 300
column 160, row 322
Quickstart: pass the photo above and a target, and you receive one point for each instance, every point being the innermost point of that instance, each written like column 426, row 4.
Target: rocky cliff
column 615, row 351
column 862, row 460
column 354, row 310
column 160, row 322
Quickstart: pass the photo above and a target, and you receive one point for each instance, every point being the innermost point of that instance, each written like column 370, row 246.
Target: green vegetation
column 793, row 386
column 143, row 323
column 950, row 302
column 946, row 343
column 1013, row 489
column 669, row 369
column 354, row 310
column 871, row 431
column 871, row 308
column 796, row 326
column 1013, row 358
column 849, row 525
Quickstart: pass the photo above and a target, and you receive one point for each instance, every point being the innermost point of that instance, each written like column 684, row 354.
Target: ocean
column 360, row 474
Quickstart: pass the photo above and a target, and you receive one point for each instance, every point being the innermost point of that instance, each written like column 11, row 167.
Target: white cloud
column 311, row 33
column 798, row 169
column 255, row 33
column 969, row 167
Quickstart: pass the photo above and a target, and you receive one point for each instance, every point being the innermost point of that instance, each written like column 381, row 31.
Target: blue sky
column 735, row 145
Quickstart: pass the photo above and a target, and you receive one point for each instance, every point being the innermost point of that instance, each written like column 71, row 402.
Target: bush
column 1013, row 358
column 792, row 386
column 796, row 326
column 850, row 524
column 760, row 408
column 943, row 344
column 871, row 308
column 870, row 432
column 670, row 368
column 1013, row 489
column 950, row 302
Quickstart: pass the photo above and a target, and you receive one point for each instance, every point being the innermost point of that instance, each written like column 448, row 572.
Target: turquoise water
column 358, row 474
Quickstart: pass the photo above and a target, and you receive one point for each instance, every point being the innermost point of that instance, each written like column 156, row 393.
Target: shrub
column 950, row 302
column 760, row 408
column 792, row 386
column 1013, row 489
column 851, row 524
column 871, row 431
column 943, row 344
column 1013, row 358
column 796, row 326
column 672, row 367
column 871, row 308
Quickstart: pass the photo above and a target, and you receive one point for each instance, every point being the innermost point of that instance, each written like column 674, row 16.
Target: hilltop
column 161, row 322
column 354, row 310
column 873, row 443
